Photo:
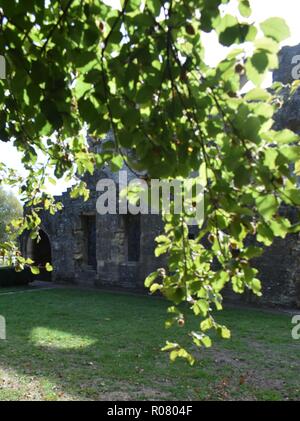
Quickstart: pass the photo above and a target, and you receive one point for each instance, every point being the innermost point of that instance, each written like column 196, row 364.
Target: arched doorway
column 40, row 253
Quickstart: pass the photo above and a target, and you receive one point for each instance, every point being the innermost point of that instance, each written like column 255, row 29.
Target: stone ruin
column 117, row 251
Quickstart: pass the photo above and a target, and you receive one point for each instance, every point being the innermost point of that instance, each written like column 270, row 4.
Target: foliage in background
column 140, row 71
column 10, row 209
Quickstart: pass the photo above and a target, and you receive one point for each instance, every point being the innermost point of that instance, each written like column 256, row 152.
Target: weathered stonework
column 94, row 250
column 100, row 257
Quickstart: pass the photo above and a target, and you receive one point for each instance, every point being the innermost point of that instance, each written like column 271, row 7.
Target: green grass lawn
column 68, row 344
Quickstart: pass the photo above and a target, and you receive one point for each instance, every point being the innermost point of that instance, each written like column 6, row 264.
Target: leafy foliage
column 10, row 209
column 141, row 72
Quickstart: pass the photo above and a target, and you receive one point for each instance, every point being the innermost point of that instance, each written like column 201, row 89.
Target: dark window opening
column 89, row 237
column 133, row 234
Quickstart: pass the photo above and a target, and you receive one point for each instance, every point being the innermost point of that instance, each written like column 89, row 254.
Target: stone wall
column 113, row 269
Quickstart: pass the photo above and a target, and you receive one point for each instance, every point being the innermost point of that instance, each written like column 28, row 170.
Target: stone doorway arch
column 41, row 253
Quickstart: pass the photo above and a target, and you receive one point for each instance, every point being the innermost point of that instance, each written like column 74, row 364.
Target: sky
column 262, row 10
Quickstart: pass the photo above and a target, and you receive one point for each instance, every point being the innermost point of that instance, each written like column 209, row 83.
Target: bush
column 9, row 277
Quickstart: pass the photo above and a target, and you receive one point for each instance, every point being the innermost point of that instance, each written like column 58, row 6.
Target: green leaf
column 182, row 353
column 231, row 31
column 206, row 324
column 144, row 95
column 256, row 285
column 280, row 227
column 48, row 267
column 87, row 110
column 267, row 44
column 154, row 6
column 270, row 158
column 275, row 28
column 267, row 205
column 35, row 270
column 117, row 163
column 91, row 36
column 150, row 279
column 264, row 234
column 81, row 57
column 160, row 250
column 292, row 153
column 293, row 196
column 224, row 332
column 51, row 112
column 244, row 8
column 170, row 346
column 280, row 137
column 201, row 307
column 285, row 136
column 206, row 341
column 131, row 117
column 256, row 67
column 258, row 94
column 252, row 251
column 155, row 287
column 201, row 339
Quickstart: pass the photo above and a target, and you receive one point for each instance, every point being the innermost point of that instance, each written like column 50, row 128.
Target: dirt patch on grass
column 241, row 378
column 224, row 356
